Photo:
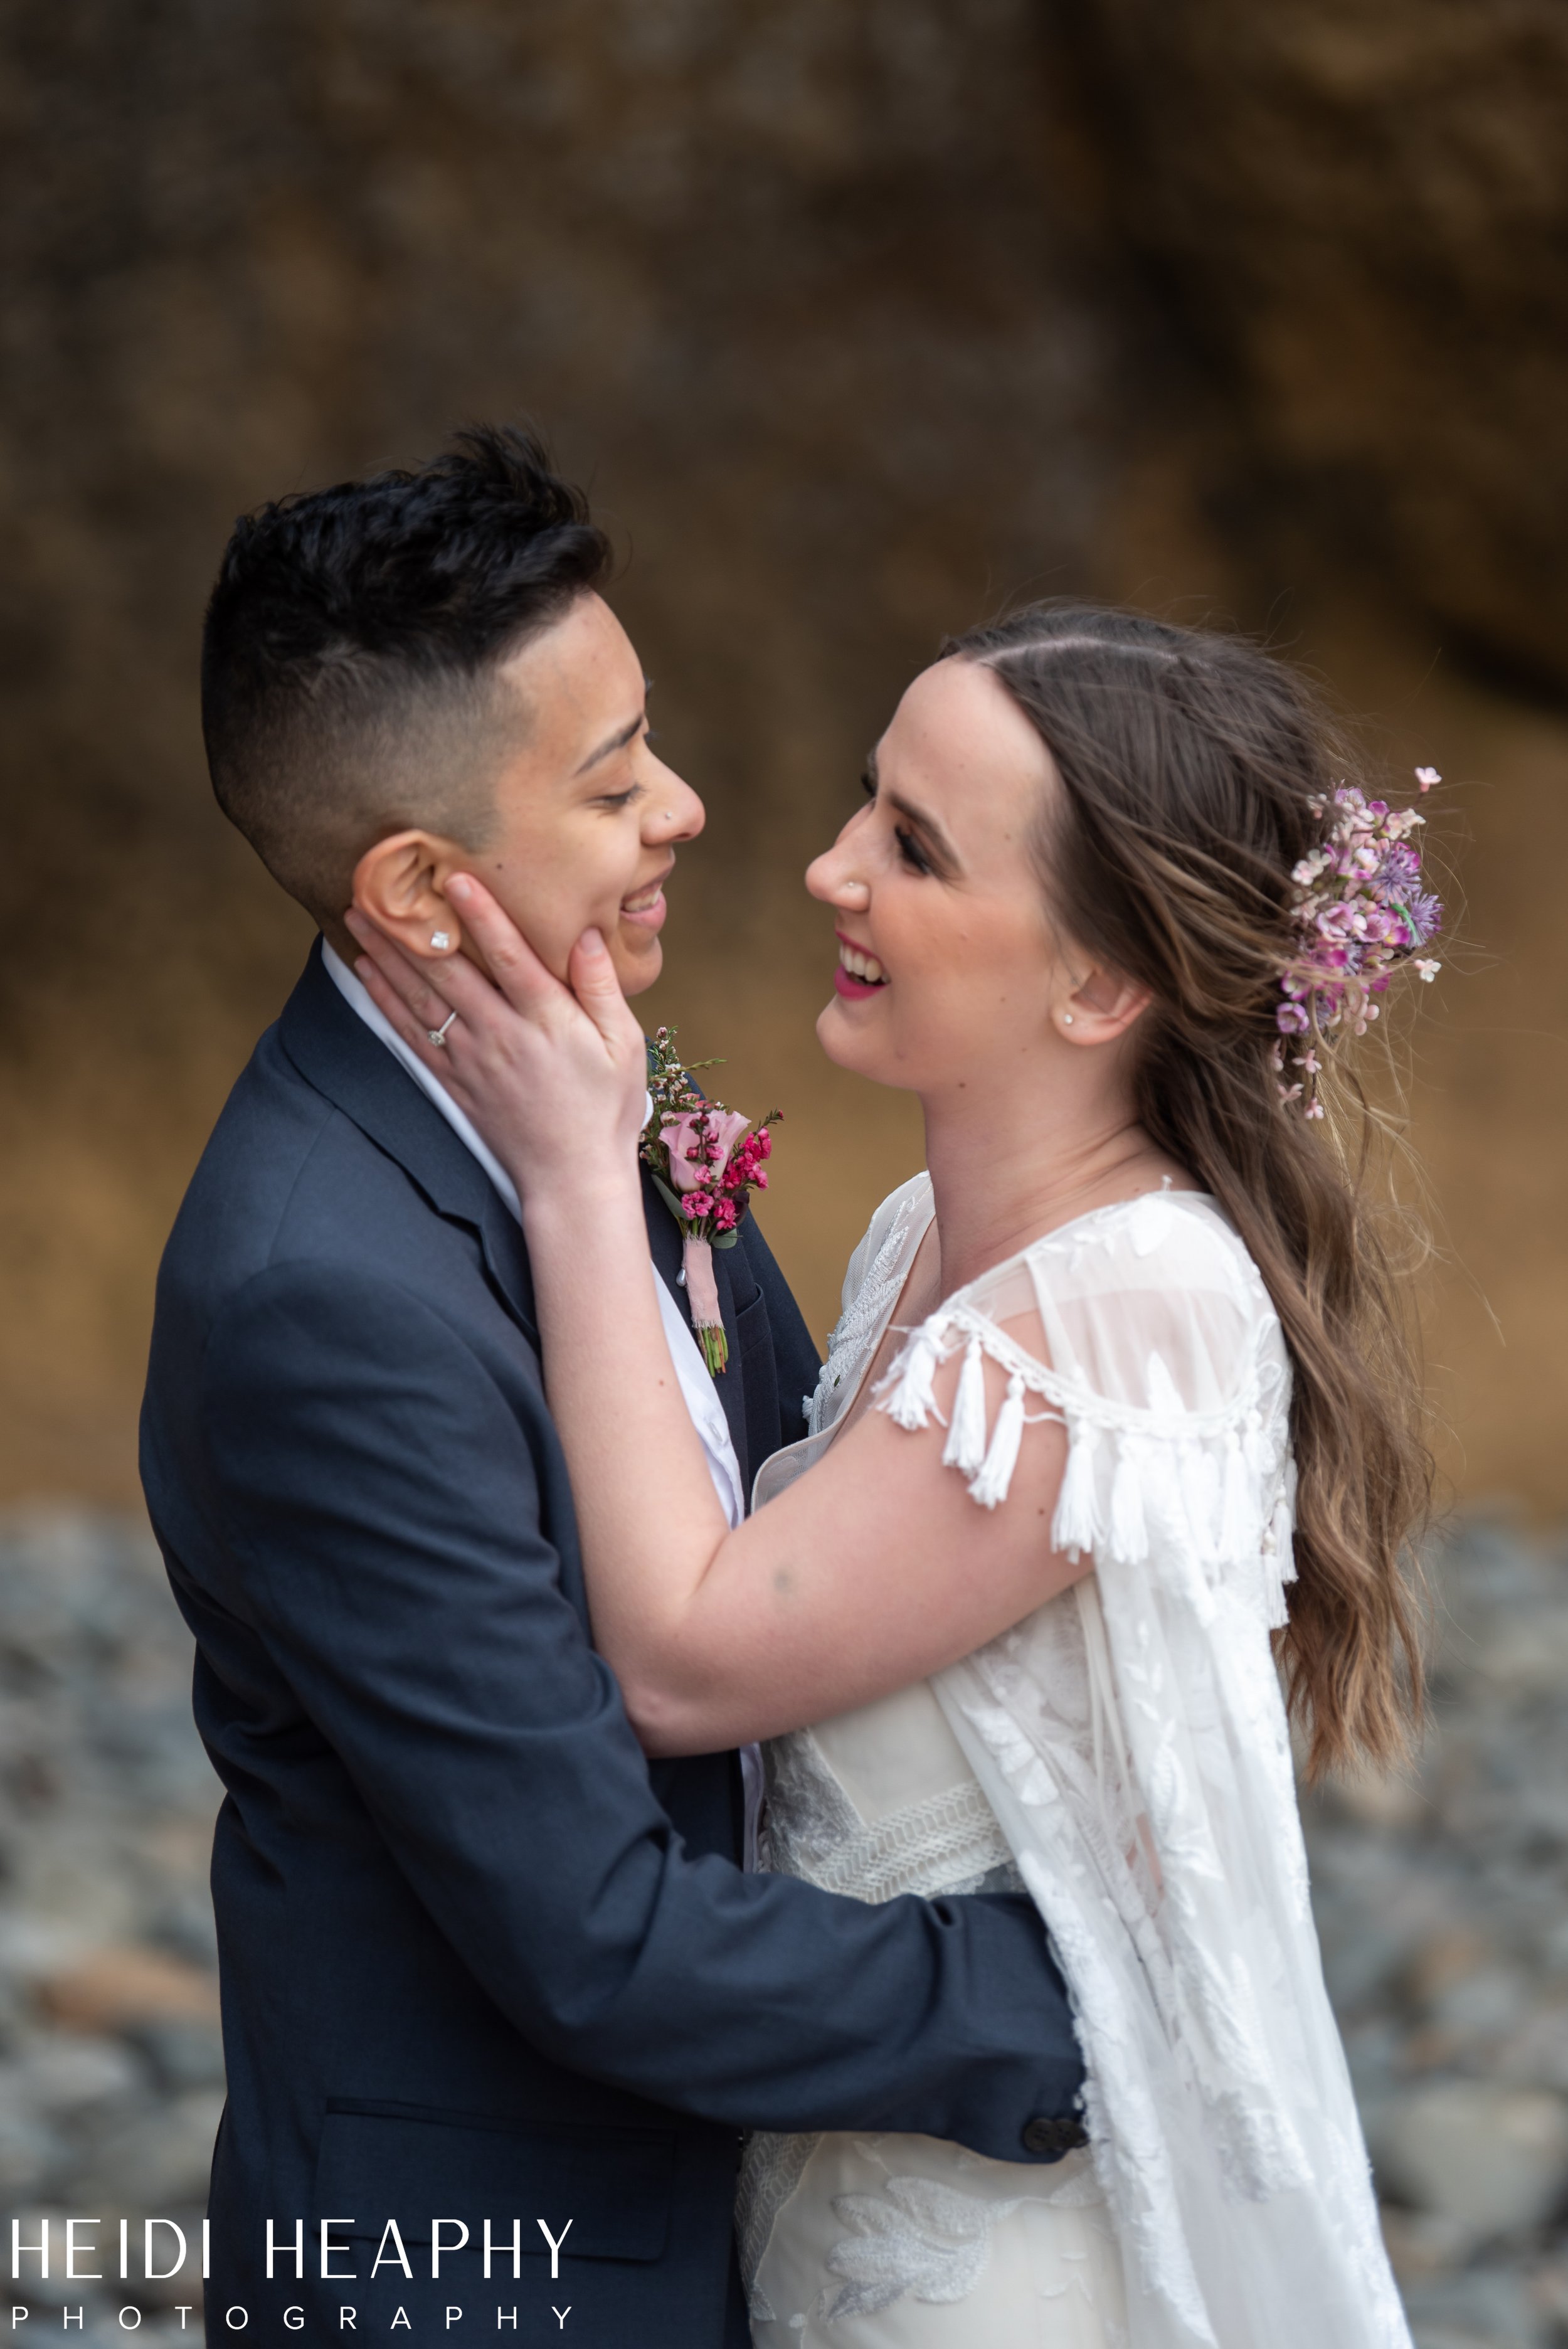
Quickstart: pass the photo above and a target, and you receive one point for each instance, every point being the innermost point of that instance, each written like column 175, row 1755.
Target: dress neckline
column 1057, row 1231
column 1166, row 1190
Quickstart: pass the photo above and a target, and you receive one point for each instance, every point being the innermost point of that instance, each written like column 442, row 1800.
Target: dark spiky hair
column 349, row 655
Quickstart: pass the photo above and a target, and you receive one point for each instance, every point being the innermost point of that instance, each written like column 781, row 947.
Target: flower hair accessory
column 1359, row 909
column 706, row 1164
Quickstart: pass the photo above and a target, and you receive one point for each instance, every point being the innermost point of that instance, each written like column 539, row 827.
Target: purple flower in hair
column 1359, row 910
column 1425, row 915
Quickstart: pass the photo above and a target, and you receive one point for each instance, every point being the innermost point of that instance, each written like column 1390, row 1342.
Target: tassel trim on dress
column 1197, row 1493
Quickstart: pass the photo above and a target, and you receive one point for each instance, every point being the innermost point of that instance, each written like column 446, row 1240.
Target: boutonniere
column 706, row 1161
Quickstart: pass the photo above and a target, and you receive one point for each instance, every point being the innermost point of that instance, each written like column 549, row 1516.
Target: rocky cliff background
column 860, row 317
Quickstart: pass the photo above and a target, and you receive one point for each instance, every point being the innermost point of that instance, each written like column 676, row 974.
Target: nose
column 834, row 878
column 674, row 809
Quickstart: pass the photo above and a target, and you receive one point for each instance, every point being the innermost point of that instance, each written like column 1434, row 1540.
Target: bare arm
column 868, row 1574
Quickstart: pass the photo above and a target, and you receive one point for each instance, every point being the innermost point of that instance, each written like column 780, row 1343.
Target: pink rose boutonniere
column 706, row 1161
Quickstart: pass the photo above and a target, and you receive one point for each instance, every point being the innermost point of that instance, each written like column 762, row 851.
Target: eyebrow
column 906, row 808
column 618, row 741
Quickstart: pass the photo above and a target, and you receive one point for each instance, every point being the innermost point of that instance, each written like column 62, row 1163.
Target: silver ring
column 437, row 1036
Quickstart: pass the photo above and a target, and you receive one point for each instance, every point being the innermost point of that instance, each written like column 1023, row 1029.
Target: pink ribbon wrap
column 702, row 1297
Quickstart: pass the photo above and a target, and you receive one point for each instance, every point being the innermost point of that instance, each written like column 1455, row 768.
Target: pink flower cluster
column 712, row 1166
column 1360, row 910
column 704, row 1163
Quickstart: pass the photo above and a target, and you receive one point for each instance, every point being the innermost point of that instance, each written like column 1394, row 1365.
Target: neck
column 1010, row 1159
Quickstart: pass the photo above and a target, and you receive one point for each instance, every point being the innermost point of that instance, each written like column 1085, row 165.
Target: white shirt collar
column 357, row 996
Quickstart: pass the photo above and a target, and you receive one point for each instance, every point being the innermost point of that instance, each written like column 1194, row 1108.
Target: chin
column 849, row 1045
column 638, row 972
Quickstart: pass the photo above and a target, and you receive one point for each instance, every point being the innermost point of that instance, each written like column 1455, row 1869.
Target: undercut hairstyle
column 1194, row 774
column 349, row 660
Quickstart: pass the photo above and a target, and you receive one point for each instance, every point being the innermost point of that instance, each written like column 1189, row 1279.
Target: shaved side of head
column 351, row 658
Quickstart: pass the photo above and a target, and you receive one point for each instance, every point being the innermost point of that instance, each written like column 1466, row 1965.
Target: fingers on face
column 422, row 994
column 414, row 1030
column 406, row 978
column 517, row 968
column 418, row 997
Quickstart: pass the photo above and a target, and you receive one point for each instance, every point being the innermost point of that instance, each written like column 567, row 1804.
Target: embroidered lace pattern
column 875, row 1275
column 772, row 2168
column 948, row 1842
column 945, row 1843
column 1130, row 1741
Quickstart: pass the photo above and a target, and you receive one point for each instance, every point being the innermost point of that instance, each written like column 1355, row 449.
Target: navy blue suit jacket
column 478, row 1965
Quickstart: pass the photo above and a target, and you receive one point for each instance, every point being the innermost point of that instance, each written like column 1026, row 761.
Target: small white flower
column 1427, row 777
column 1427, row 968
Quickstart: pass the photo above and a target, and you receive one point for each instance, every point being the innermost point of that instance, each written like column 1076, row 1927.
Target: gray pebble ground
column 1442, row 1901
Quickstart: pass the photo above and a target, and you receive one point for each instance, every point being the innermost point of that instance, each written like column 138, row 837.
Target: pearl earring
column 440, row 940
column 1067, row 1020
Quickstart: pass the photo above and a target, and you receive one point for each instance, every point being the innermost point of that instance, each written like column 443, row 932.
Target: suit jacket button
column 1053, row 2138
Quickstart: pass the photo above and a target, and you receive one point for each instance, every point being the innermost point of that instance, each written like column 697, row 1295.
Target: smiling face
column 583, row 819
column 946, row 957
column 587, row 817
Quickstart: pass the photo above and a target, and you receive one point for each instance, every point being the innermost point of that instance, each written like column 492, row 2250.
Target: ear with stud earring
column 440, row 940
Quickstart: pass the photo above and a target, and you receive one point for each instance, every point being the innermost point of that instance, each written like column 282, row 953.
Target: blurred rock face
column 1361, row 214
column 787, row 286
column 787, row 282
column 837, row 305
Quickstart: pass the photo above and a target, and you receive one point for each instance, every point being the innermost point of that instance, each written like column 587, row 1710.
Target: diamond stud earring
column 440, row 940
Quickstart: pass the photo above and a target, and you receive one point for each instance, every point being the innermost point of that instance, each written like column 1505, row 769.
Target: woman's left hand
column 555, row 1078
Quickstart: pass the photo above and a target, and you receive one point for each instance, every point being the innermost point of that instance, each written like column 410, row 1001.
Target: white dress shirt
column 691, row 1371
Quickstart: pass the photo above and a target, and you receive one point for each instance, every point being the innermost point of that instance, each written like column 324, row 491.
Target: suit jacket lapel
column 337, row 1053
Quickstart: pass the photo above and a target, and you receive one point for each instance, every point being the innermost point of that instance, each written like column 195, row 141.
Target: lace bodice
column 1128, row 1742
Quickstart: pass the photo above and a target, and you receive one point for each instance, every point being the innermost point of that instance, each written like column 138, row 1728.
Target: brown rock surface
column 1358, row 218
column 785, row 282
column 838, row 304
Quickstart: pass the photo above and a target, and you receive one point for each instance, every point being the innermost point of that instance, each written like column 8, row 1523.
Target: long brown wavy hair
column 1190, row 762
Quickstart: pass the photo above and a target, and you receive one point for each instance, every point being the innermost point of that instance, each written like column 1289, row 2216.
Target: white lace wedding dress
column 1123, row 1755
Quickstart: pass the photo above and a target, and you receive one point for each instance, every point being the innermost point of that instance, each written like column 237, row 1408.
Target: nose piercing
column 861, row 888
column 440, row 940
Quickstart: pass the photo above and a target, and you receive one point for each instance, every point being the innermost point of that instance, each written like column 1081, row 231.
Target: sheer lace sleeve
column 1163, row 1360
column 875, row 1274
column 1130, row 1739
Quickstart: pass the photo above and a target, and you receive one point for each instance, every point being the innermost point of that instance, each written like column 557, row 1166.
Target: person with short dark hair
column 498, row 2000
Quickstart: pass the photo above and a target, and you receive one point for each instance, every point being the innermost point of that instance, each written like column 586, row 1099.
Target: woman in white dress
column 1115, row 1427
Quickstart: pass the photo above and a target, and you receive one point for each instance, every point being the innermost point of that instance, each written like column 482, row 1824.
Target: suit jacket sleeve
column 393, row 1523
